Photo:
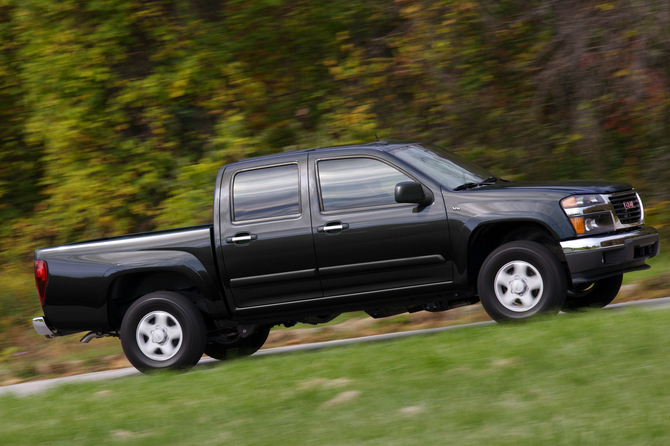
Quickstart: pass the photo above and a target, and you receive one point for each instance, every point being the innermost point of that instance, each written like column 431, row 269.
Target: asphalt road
column 34, row 387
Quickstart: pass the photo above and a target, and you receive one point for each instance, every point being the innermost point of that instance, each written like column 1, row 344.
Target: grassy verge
column 593, row 379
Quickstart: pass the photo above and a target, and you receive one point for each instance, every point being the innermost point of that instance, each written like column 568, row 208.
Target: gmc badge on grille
column 628, row 204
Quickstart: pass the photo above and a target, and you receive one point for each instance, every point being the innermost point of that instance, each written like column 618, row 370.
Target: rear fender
column 183, row 271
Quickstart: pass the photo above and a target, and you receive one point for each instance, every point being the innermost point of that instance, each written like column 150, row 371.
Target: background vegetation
column 116, row 114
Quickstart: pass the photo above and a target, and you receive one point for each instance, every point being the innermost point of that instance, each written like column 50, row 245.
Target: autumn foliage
column 116, row 114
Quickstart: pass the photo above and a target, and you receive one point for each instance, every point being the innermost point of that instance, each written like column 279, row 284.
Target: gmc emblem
column 628, row 204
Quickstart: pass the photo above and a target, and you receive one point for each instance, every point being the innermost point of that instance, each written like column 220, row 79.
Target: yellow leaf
column 605, row 6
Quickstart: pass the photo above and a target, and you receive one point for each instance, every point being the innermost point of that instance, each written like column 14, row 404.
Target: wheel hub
column 159, row 335
column 518, row 286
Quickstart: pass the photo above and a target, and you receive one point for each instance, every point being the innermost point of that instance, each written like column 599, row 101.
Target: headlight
column 581, row 201
column 589, row 214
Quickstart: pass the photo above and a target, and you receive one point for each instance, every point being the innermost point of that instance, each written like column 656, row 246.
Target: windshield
column 450, row 169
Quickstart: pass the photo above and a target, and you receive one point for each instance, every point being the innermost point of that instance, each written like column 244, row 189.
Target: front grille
column 627, row 207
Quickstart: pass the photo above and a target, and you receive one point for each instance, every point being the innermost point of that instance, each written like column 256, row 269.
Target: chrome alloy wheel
column 519, row 286
column 159, row 335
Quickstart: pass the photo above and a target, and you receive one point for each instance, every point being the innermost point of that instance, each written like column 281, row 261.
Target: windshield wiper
column 487, row 182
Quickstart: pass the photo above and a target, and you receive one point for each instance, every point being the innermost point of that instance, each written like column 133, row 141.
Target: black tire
column 521, row 279
column 237, row 347
column 163, row 330
column 593, row 295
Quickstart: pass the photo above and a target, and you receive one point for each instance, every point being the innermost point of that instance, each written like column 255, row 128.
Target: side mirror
column 411, row 192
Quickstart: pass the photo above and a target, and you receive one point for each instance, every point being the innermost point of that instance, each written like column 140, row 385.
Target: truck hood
column 568, row 187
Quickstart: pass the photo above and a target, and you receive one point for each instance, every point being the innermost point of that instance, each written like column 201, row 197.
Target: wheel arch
column 488, row 236
column 128, row 286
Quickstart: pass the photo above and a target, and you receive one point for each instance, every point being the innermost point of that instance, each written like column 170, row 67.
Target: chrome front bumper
column 611, row 241
column 594, row 258
column 42, row 328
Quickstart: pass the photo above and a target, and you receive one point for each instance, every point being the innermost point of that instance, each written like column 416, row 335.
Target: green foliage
column 116, row 114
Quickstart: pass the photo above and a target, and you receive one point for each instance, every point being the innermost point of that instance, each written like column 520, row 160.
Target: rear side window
column 357, row 183
column 266, row 193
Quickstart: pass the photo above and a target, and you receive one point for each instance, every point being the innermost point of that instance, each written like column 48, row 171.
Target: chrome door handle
column 241, row 238
column 333, row 228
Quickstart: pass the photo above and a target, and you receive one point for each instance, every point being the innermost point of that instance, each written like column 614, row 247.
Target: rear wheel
column 593, row 295
column 163, row 330
column 236, row 346
column 521, row 279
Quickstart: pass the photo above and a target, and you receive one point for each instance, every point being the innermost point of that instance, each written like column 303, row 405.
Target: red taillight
column 41, row 275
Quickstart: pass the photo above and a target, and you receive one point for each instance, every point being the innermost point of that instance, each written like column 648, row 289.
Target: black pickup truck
column 387, row 227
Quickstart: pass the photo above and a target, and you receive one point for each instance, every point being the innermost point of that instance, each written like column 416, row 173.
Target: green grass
column 596, row 379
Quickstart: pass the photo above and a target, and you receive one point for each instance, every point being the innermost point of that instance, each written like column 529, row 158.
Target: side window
column 357, row 183
column 266, row 193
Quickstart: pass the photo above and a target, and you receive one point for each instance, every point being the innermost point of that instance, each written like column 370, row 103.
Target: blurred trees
column 116, row 114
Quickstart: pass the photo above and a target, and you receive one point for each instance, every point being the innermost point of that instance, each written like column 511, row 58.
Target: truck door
column 265, row 232
column 366, row 242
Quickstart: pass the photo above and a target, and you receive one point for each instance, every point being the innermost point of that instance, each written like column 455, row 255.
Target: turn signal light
column 41, row 275
column 578, row 224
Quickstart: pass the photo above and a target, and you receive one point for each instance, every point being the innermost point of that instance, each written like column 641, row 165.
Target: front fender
column 466, row 217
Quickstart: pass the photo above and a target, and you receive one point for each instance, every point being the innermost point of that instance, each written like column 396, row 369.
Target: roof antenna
column 377, row 137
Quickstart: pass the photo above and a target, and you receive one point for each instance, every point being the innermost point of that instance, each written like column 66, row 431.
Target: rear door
column 366, row 242
column 266, row 238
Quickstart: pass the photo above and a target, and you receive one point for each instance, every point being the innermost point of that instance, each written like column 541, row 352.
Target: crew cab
column 386, row 228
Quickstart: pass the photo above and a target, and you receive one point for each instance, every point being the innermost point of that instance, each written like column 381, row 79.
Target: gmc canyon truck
column 387, row 227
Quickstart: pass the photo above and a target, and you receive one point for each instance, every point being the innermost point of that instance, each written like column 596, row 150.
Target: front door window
column 357, row 183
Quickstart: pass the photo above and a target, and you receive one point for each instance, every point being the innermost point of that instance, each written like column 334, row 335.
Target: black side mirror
column 411, row 192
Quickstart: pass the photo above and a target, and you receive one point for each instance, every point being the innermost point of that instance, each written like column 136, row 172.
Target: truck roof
column 375, row 145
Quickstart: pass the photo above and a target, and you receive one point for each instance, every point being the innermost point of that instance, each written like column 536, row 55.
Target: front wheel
column 163, row 330
column 593, row 295
column 236, row 346
column 521, row 279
